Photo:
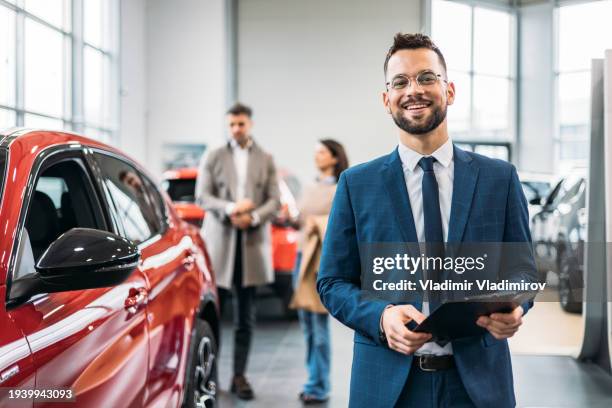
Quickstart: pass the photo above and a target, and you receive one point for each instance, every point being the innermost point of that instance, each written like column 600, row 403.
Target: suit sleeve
column 271, row 205
column 206, row 194
column 339, row 281
column 520, row 264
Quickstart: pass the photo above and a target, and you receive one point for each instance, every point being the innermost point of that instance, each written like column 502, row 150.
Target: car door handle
column 189, row 261
column 136, row 299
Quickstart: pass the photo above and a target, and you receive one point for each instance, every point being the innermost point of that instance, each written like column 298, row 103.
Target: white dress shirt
column 444, row 171
column 241, row 160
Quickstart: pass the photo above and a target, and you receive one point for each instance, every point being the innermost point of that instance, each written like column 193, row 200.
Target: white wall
column 172, row 76
column 133, row 77
column 185, row 74
column 314, row 69
column 537, row 89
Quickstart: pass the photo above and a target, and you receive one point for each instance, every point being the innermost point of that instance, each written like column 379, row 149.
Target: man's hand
column 241, row 221
column 502, row 325
column 399, row 338
column 243, row 206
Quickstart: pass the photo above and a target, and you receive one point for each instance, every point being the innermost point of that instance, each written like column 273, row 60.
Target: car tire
column 201, row 377
column 567, row 299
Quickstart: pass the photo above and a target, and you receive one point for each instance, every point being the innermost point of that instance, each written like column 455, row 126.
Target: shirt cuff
column 255, row 220
column 380, row 325
column 229, row 208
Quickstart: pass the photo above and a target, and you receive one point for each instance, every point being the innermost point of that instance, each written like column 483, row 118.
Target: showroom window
column 577, row 44
column 59, row 65
column 478, row 43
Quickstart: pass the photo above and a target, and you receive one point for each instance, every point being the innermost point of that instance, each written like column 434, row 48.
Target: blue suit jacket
column 371, row 205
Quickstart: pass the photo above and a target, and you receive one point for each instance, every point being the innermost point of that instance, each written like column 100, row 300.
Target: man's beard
column 438, row 115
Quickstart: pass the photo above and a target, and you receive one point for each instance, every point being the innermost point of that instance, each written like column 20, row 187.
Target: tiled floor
column 276, row 370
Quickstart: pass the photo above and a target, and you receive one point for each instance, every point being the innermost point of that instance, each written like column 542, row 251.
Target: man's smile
column 416, row 107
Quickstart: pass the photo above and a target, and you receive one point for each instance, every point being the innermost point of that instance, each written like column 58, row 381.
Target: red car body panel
column 190, row 212
column 15, row 355
column 86, row 339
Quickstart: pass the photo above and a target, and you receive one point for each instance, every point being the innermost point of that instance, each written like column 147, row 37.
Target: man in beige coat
column 237, row 186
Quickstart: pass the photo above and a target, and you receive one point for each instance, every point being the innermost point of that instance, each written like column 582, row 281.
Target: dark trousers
column 244, row 311
column 435, row 389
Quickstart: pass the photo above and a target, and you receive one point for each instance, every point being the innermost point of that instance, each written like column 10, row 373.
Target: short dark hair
column 337, row 150
column 412, row 42
column 240, row 109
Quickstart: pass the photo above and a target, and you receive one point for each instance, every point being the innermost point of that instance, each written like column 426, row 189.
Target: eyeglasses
column 423, row 79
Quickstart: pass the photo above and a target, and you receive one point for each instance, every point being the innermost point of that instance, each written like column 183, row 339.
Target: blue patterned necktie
column 434, row 236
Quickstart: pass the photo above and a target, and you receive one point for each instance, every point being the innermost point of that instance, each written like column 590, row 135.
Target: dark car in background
column 559, row 232
column 536, row 187
column 104, row 290
column 180, row 186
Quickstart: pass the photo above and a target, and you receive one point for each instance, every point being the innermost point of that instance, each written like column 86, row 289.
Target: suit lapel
column 230, row 166
column 395, row 183
column 464, row 184
column 251, row 176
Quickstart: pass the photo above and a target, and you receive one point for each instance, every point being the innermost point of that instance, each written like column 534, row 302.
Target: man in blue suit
column 427, row 190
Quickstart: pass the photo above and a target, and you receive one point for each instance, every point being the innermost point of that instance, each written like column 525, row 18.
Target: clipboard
column 457, row 319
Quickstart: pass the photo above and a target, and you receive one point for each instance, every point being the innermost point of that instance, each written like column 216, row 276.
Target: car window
column 529, row 191
column 62, row 200
column 573, row 192
column 542, row 187
column 157, row 201
column 567, row 186
column 180, row 189
column 126, row 189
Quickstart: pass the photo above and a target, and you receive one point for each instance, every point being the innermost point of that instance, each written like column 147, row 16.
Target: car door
column 16, row 364
column 93, row 341
column 170, row 262
column 544, row 228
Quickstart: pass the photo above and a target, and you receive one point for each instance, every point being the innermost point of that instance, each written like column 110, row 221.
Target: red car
column 107, row 294
column 180, row 186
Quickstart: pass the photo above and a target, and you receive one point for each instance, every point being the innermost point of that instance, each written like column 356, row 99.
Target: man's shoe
column 308, row 399
column 242, row 388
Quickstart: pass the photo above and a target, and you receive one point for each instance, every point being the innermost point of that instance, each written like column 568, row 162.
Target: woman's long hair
column 337, row 150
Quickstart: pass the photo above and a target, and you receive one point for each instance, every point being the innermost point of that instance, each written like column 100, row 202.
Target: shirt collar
column 327, row 180
column 234, row 144
column 410, row 158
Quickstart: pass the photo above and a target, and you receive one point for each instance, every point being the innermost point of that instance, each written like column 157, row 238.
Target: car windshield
column 2, row 171
column 534, row 189
column 542, row 187
column 181, row 189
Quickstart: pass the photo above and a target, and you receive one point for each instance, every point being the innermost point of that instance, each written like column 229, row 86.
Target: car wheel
column 567, row 297
column 201, row 380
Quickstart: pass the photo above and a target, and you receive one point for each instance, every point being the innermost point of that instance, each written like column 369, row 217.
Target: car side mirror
column 537, row 201
column 81, row 258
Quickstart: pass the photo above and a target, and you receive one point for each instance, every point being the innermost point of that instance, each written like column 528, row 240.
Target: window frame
column 47, row 158
column 73, row 117
column 513, row 77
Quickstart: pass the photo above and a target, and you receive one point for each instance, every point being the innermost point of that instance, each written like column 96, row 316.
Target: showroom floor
column 276, row 368
column 548, row 330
